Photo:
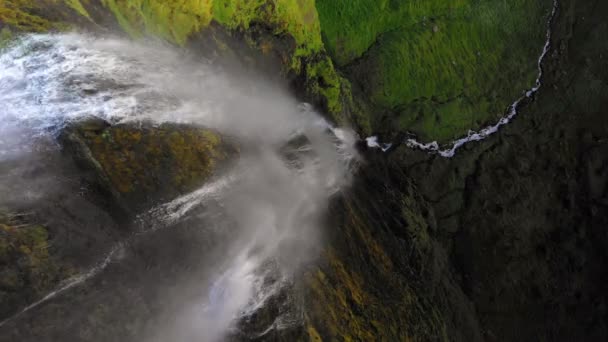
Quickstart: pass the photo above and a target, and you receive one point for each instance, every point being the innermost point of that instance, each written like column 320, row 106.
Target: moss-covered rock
column 27, row 269
column 146, row 164
column 180, row 21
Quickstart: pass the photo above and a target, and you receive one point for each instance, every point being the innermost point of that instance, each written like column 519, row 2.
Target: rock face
column 144, row 165
column 28, row 270
column 383, row 274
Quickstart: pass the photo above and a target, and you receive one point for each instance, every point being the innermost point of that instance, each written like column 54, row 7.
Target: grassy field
column 438, row 67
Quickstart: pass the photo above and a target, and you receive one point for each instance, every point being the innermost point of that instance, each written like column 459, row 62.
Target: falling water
column 274, row 203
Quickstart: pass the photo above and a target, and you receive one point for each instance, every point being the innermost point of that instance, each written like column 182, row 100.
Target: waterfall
column 273, row 204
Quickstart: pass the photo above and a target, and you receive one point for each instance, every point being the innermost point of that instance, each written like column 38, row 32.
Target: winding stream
column 450, row 150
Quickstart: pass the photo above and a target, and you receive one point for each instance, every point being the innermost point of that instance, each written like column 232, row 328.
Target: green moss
column 126, row 16
column 297, row 18
column 176, row 21
column 441, row 67
column 78, row 7
column 6, row 36
column 30, row 245
column 40, row 15
column 351, row 27
column 147, row 163
column 355, row 108
column 324, row 81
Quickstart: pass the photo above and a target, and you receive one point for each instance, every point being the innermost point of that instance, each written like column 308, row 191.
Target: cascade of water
column 274, row 202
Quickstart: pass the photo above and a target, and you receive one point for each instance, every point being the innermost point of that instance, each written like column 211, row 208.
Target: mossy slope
column 179, row 21
column 28, row 271
column 437, row 67
column 383, row 276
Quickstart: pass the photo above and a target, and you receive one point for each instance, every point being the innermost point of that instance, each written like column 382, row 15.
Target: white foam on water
column 372, row 142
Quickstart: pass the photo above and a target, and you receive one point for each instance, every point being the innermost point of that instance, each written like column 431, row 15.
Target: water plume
column 273, row 199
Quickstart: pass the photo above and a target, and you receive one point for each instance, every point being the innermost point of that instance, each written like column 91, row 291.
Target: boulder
column 139, row 165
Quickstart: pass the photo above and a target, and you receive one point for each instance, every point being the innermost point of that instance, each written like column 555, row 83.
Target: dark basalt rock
column 42, row 240
column 28, row 271
column 523, row 214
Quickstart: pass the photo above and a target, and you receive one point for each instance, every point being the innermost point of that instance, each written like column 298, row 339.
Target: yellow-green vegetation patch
column 350, row 27
column 16, row 14
column 177, row 20
column 324, row 81
column 128, row 156
column 40, row 15
column 172, row 20
column 143, row 164
column 78, row 7
column 6, row 36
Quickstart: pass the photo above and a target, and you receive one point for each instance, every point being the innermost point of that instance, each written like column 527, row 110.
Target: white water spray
column 274, row 203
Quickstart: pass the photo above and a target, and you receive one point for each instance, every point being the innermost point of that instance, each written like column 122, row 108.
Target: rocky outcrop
column 29, row 271
column 147, row 164
column 505, row 242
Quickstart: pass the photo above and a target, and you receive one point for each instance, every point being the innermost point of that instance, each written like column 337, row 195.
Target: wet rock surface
column 146, row 164
column 523, row 214
column 43, row 237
